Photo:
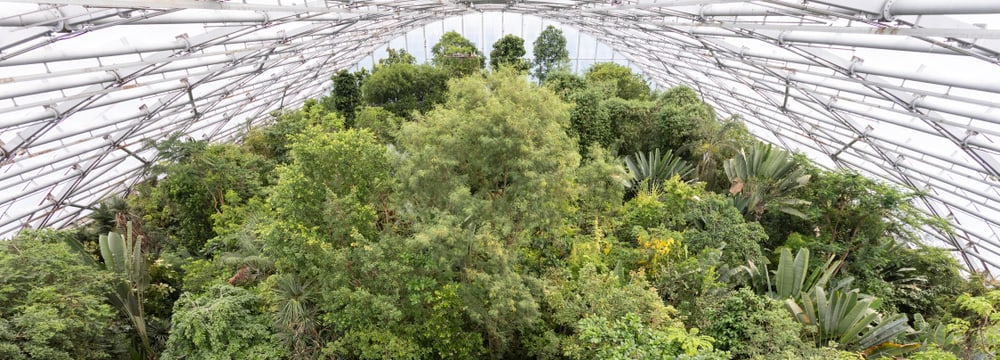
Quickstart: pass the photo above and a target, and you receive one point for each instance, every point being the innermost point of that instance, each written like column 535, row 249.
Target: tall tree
column 394, row 56
column 590, row 123
column 402, row 88
column 502, row 139
column 622, row 81
column 329, row 175
column 714, row 142
column 488, row 178
column 199, row 179
column 457, row 55
column 509, row 51
column 550, row 52
column 680, row 113
column 764, row 175
column 346, row 93
column 273, row 139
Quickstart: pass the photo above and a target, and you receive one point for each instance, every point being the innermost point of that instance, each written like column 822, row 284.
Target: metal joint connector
column 887, row 11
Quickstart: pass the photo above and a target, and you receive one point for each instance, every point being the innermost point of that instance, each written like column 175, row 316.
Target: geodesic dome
column 906, row 91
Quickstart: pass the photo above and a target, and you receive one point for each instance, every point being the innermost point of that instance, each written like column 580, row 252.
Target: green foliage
column 500, row 139
column 444, row 327
column 938, row 337
column 590, row 122
column 271, row 140
column 195, row 187
column 754, row 327
column 911, row 279
column 381, row 122
column 486, row 178
column 497, row 303
column 373, row 343
column 199, row 274
column 296, row 316
column 335, row 183
column 346, row 93
column 52, row 303
column 848, row 318
column 694, row 283
column 164, row 288
column 550, row 53
column 765, row 176
column 794, row 278
column 394, row 56
column 871, row 228
column 570, row 298
column 933, row 354
column 574, row 303
column 679, row 115
column 509, row 51
column 650, row 171
column 457, row 56
column 565, row 83
column 225, row 322
column 713, row 143
column 402, row 88
column 850, row 208
column 602, row 182
column 791, row 274
column 105, row 216
column 673, row 121
column 662, row 206
column 123, row 256
column 712, row 221
column 623, row 82
column 982, row 332
column 629, row 338
column 635, row 125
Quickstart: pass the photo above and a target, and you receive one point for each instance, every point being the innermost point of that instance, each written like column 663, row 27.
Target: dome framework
column 906, row 91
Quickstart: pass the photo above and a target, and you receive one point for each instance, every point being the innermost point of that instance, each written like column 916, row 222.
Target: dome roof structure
column 905, row 91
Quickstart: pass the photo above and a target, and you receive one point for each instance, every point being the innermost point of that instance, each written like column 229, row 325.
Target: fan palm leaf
column 654, row 168
column 765, row 175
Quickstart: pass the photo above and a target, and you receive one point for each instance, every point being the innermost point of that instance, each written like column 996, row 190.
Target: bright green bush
column 624, row 83
column 224, row 322
column 52, row 304
column 629, row 338
column 751, row 326
column 712, row 221
column 381, row 122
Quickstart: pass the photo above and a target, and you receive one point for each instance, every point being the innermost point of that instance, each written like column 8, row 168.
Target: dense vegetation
column 450, row 211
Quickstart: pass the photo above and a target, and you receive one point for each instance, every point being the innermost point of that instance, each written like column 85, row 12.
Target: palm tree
column 296, row 315
column 653, row 169
column 104, row 216
column 715, row 140
column 765, row 176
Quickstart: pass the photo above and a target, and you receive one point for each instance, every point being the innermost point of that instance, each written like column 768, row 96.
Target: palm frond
column 654, row 168
column 765, row 175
